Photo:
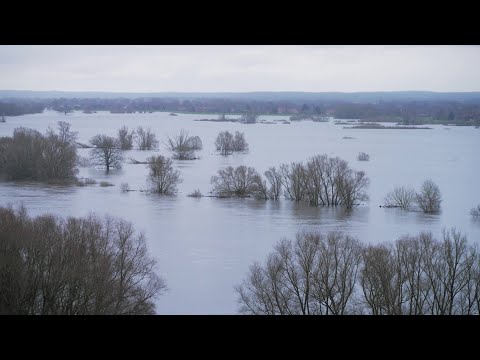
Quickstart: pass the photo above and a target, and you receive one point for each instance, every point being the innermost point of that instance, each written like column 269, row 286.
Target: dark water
column 205, row 246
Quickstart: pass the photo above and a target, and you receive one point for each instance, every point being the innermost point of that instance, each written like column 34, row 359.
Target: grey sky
column 239, row 68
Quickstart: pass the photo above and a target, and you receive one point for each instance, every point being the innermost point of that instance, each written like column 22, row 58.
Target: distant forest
column 409, row 108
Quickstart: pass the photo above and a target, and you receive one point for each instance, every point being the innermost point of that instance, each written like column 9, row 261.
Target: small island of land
column 380, row 126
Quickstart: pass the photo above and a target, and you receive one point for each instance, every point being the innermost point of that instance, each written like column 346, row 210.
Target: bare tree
column 145, row 139
column 125, row 138
column 324, row 179
column 59, row 155
column 429, row 198
column 312, row 275
column 381, row 280
column 162, row 177
column 351, row 188
column 74, row 266
column 183, row 146
column 475, row 212
column 294, row 180
column 227, row 143
column 106, row 152
column 259, row 188
column 335, row 273
column 249, row 118
column 448, row 268
column 224, row 143
column 241, row 181
column 239, row 142
column 401, row 197
column 275, row 180
column 195, row 143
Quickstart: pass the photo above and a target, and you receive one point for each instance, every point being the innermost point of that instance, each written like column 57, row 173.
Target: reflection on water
column 204, row 246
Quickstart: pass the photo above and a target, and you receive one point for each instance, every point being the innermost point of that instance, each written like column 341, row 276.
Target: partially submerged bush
column 475, row 212
column 184, row 146
column 363, row 157
column 429, row 197
column 401, row 197
column 85, row 182
column 195, row 194
column 239, row 181
column 227, row 143
column 105, row 184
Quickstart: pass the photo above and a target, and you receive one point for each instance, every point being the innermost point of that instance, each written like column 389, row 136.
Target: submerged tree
column 59, row 156
column 351, row 188
column 162, row 177
column 294, row 179
column 239, row 142
column 31, row 155
column 125, row 138
column 400, row 197
column 227, row 143
column 241, row 181
column 106, row 152
column 429, row 197
column 183, row 146
column 145, row 139
column 74, row 266
column 363, row 156
column 224, row 143
column 275, row 180
column 195, row 143
column 475, row 211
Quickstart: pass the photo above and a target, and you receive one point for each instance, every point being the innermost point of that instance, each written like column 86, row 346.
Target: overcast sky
column 235, row 68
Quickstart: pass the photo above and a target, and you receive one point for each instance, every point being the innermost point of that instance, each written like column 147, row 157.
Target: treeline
column 321, row 181
column 405, row 112
column 145, row 105
column 335, row 274
column 74, row 266
column 412, row 113
column 20, row 107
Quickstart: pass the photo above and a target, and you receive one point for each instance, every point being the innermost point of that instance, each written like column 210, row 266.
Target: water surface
column 205, row 246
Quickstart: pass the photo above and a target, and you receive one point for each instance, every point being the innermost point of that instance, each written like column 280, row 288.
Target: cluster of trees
column 30, row 155
column 145, row 139
column 183, row 146
column 246, row 107
column 20, row 107
column 407, row 109
column 227, row 143
column 107, row 150
column 323, row 180
column 428, row 199
column 74, row 266
column 362, row 156
column 125, row 138
column 412, row 112
column 335, row 274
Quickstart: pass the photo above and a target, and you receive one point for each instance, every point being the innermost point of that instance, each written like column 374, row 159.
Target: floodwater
column 204, row 246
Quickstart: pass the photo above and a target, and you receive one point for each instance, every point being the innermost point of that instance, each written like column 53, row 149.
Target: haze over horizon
column 239, row 68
